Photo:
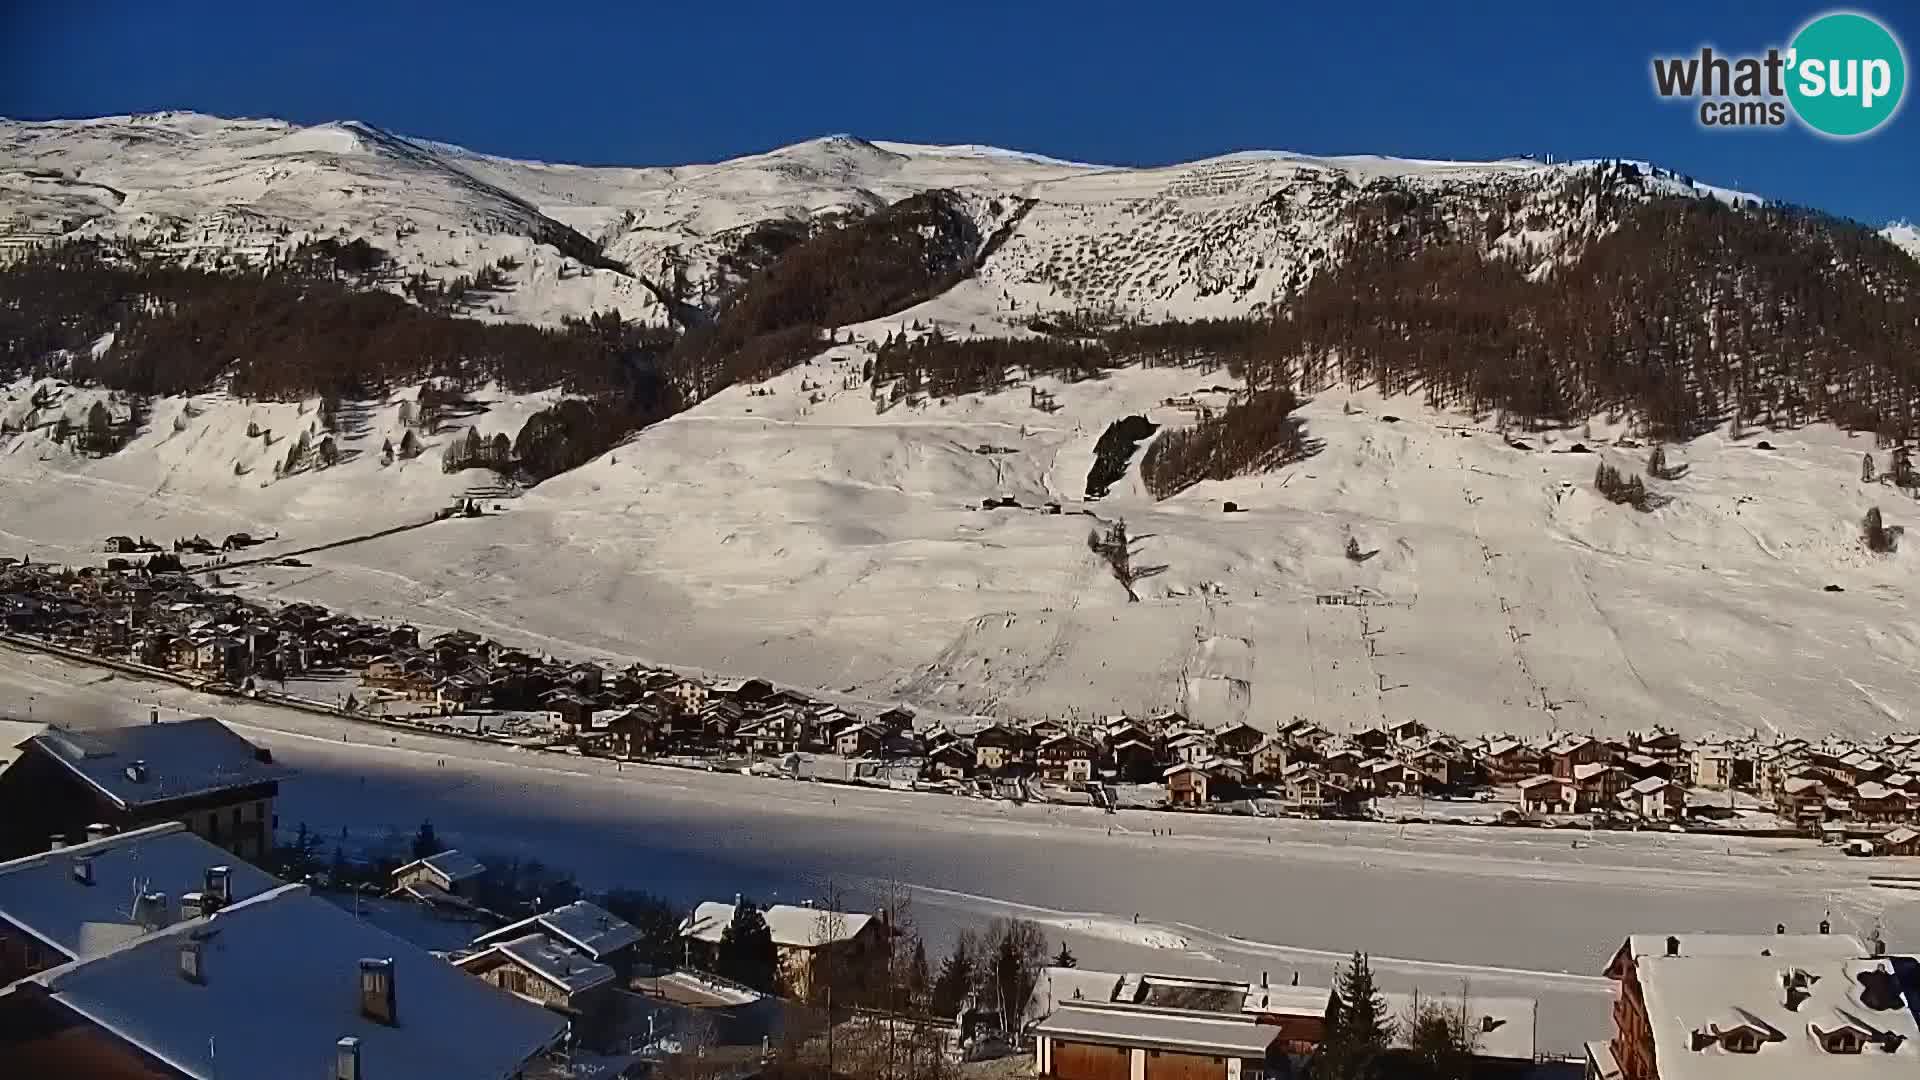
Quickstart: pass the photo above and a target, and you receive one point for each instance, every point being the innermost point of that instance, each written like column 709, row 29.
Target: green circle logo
column 1847, row 75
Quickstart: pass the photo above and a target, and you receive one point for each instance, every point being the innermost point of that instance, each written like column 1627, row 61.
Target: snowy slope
column 797, row 530
column 1215, row 237
column 1906, row 237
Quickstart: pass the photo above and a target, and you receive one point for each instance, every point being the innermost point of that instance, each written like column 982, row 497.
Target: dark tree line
column 1687, row 315
column 1255, row 434
column 1114, row 450
column 866, row 268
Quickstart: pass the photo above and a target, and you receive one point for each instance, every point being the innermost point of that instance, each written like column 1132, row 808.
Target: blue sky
column 1120, row 81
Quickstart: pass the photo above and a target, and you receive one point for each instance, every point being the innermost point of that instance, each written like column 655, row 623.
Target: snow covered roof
column 1532, row 782
column 1059, row 986
column 555, row 963
column 792, row 927
column 1728, row 982
column 1119, row 1025
column 44, row 895
column 1652, row 785
column 452, row 866
column 149, row 763
column 588, row 927
column 281, row 986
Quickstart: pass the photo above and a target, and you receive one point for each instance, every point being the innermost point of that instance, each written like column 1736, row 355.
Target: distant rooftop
column 1226, row 1036
column 149, row 763
column 555, row 963
column 452, row 864
column 792, row 927
column 588, row 927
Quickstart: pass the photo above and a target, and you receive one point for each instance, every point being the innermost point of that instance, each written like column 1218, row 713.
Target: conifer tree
column 746, row 954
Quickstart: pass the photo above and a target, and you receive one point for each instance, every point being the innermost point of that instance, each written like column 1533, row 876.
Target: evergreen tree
column 1358, row 1030
column 1866, row 467
column 425, row 843
column 99, row 429
column 409, row 445
column 955, row 981
column 746, row 954
column 1657, row 463
column 1879, row 539
column 919, row 977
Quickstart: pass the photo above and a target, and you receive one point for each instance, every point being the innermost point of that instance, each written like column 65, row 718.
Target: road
column 1502, row 912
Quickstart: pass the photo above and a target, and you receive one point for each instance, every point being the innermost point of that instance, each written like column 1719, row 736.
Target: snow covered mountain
column 1211, row 238
column 804, row 528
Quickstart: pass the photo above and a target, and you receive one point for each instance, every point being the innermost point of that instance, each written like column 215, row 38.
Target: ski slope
column 795, row 530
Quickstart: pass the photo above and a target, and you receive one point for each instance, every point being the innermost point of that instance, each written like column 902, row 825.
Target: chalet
column 1269, row 759
column 545, row 972
column 950, row 761
column 1408, row 732
column 281, row 984
column 1383, row 776
column 1313, row 792
column 1564, row 756
column 1877, row 803
column 197, row 772
column 1656, row 799
column 1190, row 747
column 859, row 740
column 997, row 747
column 1802, row 800
column 1434, row 768
column 569, row 710
column 1342, row 766
column 744, row 691
column 1548, row 795
column 588, row 929
column 1597, row 786
column 1133, row 760
column 1900, row 841
column 1762, row 1005
column 1194, row 784
column 448, row 873
column 634, row 731
column 897, row 718
column 1238, row 740
column 1374, row 740
column 802, row 937
column 1065, row 759
column 1085, row 1041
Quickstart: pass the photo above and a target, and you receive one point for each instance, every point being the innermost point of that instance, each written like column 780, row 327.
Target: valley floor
column 1513, row 913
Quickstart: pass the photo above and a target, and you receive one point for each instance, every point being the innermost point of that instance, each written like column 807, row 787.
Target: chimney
column 137, row 771
column 346, row 1059
column 1826, row 927
column 1673, row 946
column 153, row 715
column 1780, row 928
column 220, row 885
column 1488, row 1023
column 151, row 910
column 56, row 842
column 1263, row 980
column 192, row 961
column 99, row 831
column 194, row 904
column 83, row 869
column 377, row 991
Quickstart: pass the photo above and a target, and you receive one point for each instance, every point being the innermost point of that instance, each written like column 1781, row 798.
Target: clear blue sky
column 671, row 81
